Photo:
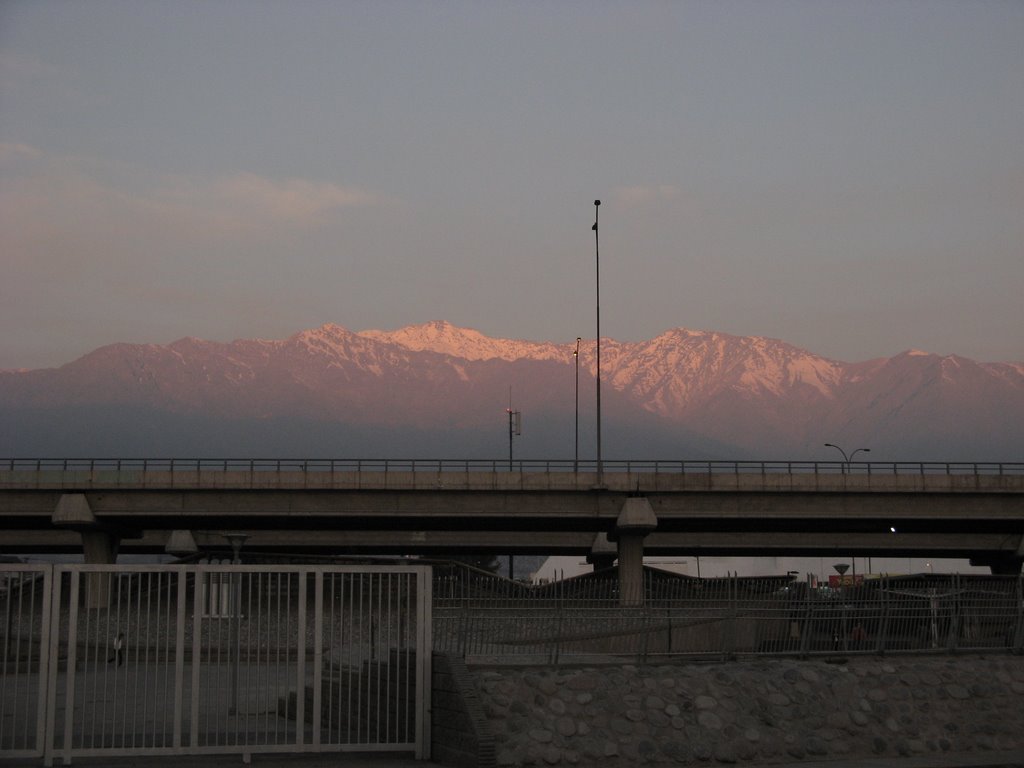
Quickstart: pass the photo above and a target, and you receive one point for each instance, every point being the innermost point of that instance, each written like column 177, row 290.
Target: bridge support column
column 181, row 543
column 1004, row 565
column 635, row 521
column 602, row 553
column 1008, row 565
column 99, row 546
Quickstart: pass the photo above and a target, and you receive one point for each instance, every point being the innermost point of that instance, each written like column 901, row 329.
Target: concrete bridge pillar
column 602, row 553
column 181, row 543
column 635, row 521
column 1004, row 565
column 99, row 545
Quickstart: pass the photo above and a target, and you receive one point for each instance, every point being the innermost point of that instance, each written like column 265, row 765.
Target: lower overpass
column 961, row 510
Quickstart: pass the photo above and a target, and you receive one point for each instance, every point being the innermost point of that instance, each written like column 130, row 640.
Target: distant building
column 802, row 567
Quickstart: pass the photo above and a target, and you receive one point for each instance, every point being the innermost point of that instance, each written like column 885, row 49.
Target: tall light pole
column 847, row 459
column 576, row 455
column 846, row 469
column 597, row 264
column 515, row 426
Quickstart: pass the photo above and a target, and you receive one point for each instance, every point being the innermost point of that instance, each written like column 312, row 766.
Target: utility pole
column 576, row 454
column 515, row 426
column 597, row 264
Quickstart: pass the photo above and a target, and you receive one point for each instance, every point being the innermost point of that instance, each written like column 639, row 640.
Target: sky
column 846, row 176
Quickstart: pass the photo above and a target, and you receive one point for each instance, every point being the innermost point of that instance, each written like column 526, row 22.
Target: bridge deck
column 419, row 506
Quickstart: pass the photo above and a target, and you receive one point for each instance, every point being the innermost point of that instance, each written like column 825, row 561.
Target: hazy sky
column 847, row 176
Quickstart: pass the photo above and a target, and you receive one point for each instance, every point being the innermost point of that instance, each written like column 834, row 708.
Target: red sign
column 835, row 581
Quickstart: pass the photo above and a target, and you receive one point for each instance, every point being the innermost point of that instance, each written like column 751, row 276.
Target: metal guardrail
column 523, row 466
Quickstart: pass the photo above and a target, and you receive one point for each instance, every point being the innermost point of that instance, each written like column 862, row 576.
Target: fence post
column 956, row 619
column 560, row 602
column 730, row 620
column 302, row 626
column 883, row 624
column 1018, row 640
column 645, row 619
column 49, row 693
column 464, row 613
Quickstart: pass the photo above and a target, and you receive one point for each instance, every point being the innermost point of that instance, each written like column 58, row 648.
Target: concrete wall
column 776, row 710
column 460, row 734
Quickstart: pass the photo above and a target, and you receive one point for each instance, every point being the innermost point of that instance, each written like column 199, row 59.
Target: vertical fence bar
column 89, row 739
column 318, row 654
column 137, row 646
column 423, row 662
column 300, row 671
column 375, row 622
column 69, row 694
column 253, row 612
column 49, row 630
column 257, row 641
column 143, row 732
column 387, row 650
column 409, row 587
column 274, row 633
column 365, row 631
column 50, row 729
column 956, row 618
column 179, row 653
column 200, row 586
column 1018, row 635
column 355, row 643
column 7, row 600
column 885, row 641
column 334, row 687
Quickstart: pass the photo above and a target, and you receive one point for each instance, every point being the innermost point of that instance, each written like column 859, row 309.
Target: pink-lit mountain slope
column 685, row 392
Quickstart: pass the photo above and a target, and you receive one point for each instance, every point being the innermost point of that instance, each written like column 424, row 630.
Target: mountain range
column 439, row 391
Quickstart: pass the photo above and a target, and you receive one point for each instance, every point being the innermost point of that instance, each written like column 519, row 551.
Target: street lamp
column 597, row 264
column 576, row 455
column 236, row 540
column 847, row 459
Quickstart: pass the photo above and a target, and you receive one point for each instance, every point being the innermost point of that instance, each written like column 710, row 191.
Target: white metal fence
column 203, row 659
column 25, row 592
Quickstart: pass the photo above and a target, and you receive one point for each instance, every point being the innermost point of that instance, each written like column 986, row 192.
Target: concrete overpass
column 963, row 510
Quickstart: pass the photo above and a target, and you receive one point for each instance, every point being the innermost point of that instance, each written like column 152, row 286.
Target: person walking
column 118, row 650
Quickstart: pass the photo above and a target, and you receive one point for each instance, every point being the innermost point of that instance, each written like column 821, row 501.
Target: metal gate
column 205, row 659
column 25, row 592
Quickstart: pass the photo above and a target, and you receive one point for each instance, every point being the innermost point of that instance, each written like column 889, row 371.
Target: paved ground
column 332, row 760
column 971, row 760
column 352, row 760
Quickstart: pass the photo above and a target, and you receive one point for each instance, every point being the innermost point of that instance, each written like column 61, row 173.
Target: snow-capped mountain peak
column 750, row 392
column 466, row 343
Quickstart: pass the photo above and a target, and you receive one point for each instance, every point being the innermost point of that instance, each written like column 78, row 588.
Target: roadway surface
column 359, row 760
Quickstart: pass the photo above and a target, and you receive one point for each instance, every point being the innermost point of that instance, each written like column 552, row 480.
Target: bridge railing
column 658, row 466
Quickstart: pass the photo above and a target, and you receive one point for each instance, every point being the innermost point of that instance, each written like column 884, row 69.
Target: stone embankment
column 759, row 711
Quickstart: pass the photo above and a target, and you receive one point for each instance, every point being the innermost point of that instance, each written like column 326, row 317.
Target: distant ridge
column 442, row 388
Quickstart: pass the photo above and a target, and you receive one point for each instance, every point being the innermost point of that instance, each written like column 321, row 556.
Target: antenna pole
column 576, row 454
column 510, row 418
column 597, row 264
column 514, row 426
